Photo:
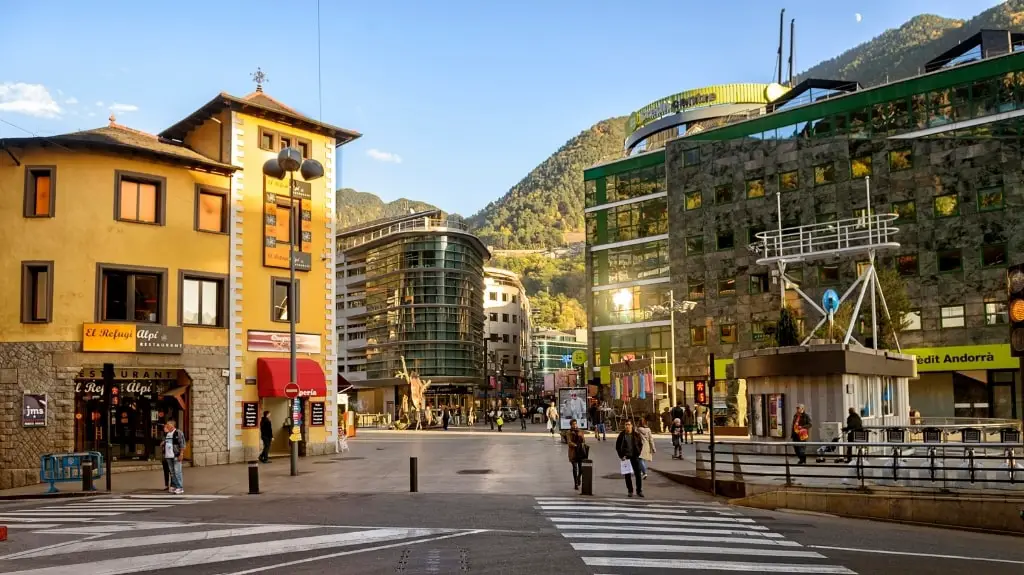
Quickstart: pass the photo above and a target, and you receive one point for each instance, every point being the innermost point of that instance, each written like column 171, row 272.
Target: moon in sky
column 857, row 16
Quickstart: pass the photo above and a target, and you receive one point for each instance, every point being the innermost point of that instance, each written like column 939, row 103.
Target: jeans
column 601, row 429
column 801, row 453
column 635, row 462
column 522, row 421
column 577, row 472
column 643, row 465
column 265, row 454
column 175, row 468
column 167, row 472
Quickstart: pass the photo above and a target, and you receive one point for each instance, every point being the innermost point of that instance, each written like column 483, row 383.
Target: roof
column 384, row 222
column 991, row 42
column 119, row 139
column 258, row 104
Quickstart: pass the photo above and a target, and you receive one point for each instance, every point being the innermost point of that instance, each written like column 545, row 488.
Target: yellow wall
column 84, row 232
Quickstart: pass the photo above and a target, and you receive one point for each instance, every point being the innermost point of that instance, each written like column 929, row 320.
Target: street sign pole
column 711, row 419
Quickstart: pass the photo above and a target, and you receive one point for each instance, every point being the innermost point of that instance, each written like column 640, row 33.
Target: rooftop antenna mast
column 792, row 35
column 782, row 17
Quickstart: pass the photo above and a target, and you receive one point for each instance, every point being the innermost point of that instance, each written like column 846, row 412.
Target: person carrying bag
column 578, row 452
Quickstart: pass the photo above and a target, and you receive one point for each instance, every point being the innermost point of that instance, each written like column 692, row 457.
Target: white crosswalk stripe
column 96, row 509
column 619, row 535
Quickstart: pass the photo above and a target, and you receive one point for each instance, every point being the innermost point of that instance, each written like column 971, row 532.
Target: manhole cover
column 473, row 471
column 346, row 458
column 423, row 561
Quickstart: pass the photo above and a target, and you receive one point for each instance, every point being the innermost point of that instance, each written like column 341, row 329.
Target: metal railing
column 814, row 241
column 960, row 465
column 417, row 224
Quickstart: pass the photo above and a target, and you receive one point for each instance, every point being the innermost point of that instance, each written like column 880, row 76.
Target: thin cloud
column 29, row 99
column 387, row 157
column 115, row 107
column 71, row 101
column 99, row 104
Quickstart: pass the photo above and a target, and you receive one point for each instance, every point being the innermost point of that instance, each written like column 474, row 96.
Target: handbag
column 625, row 467
column 582, row 452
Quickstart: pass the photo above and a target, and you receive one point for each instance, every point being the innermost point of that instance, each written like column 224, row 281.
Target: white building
column 506, row 328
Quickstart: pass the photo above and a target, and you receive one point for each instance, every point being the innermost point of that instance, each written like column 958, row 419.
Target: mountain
column 548, row 203
column 902, row 52
column 361, row 207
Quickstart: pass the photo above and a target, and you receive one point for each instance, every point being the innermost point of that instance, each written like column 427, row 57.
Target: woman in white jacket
column 647, row 449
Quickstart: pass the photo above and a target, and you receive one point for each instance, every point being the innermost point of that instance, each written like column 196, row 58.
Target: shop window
column 951, row 316
column 691, row 157
column 906, row 211
column 268, row 140
column 996, row 313
column 698, row 335
column 139, row 197
column 36, row 292
column 789, row 181
column 759, row 283
column 211, row 210
column 694, row 245
column 725, row 240
column 824, row 174
column 860, row 167
column 281, row 293
column 993, row 255
column 693, row 200
column 723, row 194
column 947, row 206
column 132, row 294
column 906, row 265
column 755, row 188
column 727, row 333
column 912, row 320
column 990, row 199
column 950, row 260
column 900, row 160
column 727, row 287
column 828, row 274
column 696, row 289
column 40, row 191
column 203, row 300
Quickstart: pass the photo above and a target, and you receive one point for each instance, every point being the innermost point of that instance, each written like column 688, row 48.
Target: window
column 723, row 194
column 824, row 174
column 691, row 157
column 284, row 222
column 515, row 318
column 947, row 206
column 132, row 294
column 493, row 316
column 759, row 283
column 990, row 199
column 727, row 333
column 862, row 267
column 828, row 274
column 515, row 339
column 900, row 160
column 36, row 292
column 789, row 181
column 906, row 265
column 912, row 320
column 286, row 142
column 860, row 167
column 727, row 287
column 951, row 316
column 504, row 296
column 280, row 288
column 825, row 218
column 304, row 147
column 139, row 198
column 211, row 210
column 996, row 313
column 698, row 335
column 950, row 260
column 694, row 245
column 725, row 240
column 268, row 140
column 755, row 188
column 752, row 232
column 795, row 274
column 203, row 301
column 693, row 200
column 493, row 296
column 504, row 338
column 514, row 298
column 762, row 330
column 993, row 256
column 504, row 318
column 696, row 289
column 907, row 211
column 40, row 191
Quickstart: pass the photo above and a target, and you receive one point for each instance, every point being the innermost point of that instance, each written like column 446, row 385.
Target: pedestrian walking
column 647, row 449
column 552, row 414
column 266, row 436
column 499, row 419
column 578, row 451
column 689, row 423
column 174, row 447
column 676, row 429
column 446, row 417
column 600, row 415
column 853, row 423
column 701, row 412
column 522, row 417
column 801, row 433
column 666, row 421
column 628, row 446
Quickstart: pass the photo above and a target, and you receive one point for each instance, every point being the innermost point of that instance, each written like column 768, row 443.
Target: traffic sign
column 291, row 391
column 579, row 357
column 830, row 301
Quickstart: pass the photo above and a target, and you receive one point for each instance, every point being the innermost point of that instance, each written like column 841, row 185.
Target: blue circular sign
column 830, row 301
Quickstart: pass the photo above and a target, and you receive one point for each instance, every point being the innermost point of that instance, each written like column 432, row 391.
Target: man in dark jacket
column 267, row 436
column 853, row 423
column 628, row 446
column 677, row 412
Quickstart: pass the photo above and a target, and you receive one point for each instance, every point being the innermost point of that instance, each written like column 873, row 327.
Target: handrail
column 816, row 241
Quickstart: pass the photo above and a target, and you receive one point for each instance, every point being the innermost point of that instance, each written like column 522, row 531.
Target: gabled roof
column 258, row 104
column 123, row 140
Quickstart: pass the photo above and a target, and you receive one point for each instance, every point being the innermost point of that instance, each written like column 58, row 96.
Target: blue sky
column 457, row 99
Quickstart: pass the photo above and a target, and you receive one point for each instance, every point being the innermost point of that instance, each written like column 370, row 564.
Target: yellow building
column 92, row 218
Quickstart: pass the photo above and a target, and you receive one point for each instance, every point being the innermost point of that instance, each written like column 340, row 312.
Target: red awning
column 274, row 373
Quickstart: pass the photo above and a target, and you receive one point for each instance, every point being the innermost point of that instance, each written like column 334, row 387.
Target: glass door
column 1003, row 394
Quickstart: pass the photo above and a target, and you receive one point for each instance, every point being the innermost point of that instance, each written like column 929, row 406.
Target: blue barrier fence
column 64, row 467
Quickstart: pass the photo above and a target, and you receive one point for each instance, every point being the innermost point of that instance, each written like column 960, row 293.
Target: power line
column 55, row 143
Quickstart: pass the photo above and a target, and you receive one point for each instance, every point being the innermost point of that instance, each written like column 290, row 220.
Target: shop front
column 976, row 381
column 306, row 410
column 451, row 396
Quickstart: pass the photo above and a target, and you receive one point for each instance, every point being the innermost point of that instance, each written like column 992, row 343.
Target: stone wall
column 940, row 166
column 50, row 368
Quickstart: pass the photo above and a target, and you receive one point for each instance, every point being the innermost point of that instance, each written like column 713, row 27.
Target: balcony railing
column 816, row 241
column 422, row 224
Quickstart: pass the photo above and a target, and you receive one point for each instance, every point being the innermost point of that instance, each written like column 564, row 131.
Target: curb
column 58, row 495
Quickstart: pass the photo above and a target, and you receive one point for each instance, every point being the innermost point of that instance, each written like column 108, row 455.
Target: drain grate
column 474, row 471
column 420, row 561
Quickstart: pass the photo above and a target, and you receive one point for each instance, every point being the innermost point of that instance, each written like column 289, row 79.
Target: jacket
column 266, row 429
column 804, row 421
column 689, row 418
column 552, row 413
column 647, row 449
column 854, row 423
column 620, row 445
column 575, row 439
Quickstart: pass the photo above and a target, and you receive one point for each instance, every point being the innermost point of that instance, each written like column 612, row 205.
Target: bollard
column 87, row 475
column 3, row 531
column 413, row 485
column 254, row 478
column 587, row 470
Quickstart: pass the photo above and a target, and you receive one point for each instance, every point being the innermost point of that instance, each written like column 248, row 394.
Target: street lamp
column 672, row 307
column 288, row 161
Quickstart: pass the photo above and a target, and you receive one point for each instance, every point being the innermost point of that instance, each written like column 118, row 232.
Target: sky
column 457, row 100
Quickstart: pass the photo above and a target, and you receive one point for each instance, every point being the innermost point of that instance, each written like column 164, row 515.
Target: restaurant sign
column 280, row 341
column 276, row 202
column 964, row 358
column 132, row 338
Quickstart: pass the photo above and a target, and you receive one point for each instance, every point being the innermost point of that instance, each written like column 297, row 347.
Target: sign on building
column 33, row 411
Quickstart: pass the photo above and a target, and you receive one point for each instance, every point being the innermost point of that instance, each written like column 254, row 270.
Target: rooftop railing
column 816, row 241
column 422, row 224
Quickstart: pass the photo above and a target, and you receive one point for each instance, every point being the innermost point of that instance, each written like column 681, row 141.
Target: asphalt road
column 476, row 531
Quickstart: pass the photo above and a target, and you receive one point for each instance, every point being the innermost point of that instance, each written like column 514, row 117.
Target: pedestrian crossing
column 96, row 509
column 619, row 535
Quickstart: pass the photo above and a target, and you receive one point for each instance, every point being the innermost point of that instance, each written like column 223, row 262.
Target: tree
column 787, row 334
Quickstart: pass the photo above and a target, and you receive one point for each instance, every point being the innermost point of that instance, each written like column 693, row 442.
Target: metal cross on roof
column 260, row 77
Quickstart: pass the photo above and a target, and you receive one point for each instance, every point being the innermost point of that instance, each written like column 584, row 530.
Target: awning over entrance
column 273, row 374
